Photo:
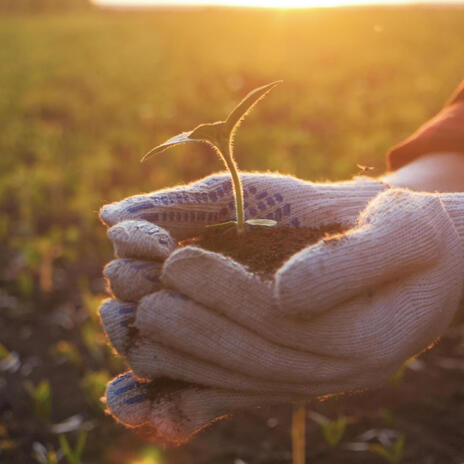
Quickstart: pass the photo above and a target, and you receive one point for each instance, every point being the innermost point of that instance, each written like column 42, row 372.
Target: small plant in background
column 94, row 385
column 41, row 396
column 412, row 363
column 68, row 353
column 332, row 430
column 73, row 456
column 220, row 135
column 4, row 353
column 392, row 453
column 397, row 378
column 389, row 444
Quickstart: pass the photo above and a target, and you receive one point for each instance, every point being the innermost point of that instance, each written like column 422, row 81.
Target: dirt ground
column 425, row 405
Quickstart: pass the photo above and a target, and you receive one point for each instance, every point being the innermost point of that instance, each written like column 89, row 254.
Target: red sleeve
column 443, row 133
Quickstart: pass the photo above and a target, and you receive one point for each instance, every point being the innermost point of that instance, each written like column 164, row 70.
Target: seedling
column 220, row 136
column 94, row 386
column 392, row 454
column 332, row 430
column 397, row 378
column 68, row 352
column 41, row 396
column 73, row 456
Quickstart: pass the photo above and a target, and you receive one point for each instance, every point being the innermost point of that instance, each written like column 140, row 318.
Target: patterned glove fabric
column 184, row 211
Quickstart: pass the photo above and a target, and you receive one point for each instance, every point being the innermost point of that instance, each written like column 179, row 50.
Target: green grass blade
column 64, row 444
column 80, row 444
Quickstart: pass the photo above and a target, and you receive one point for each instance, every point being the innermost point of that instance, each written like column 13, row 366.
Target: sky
column 266, row 3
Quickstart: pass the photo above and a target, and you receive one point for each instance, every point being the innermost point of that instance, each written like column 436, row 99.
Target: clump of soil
column 262, row 250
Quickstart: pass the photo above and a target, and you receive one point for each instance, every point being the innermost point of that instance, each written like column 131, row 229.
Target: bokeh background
column 84, row 92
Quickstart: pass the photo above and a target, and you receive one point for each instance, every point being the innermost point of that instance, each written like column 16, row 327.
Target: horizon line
column 153, row 4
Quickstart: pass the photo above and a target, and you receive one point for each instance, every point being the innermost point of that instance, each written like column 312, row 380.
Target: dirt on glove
column 262, row 250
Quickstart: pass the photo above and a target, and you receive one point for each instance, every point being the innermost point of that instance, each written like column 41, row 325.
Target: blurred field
column 83, row 96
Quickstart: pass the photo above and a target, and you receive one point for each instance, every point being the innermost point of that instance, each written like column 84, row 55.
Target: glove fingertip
column 141, row 239
column 116, row 317
column 127, row 400
column 183, row 267
column 108, row 214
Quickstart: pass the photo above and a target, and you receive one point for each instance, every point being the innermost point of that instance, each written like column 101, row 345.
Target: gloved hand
column 184, row 211
column 365, row 302
column 142, row 246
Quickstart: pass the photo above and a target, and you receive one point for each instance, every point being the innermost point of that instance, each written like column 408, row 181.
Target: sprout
column 220, row 136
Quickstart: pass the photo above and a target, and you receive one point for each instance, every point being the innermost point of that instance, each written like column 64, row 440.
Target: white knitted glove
column 383, row 292
column 184, row 211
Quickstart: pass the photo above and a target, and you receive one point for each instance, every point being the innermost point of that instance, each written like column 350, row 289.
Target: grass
column 84, row 95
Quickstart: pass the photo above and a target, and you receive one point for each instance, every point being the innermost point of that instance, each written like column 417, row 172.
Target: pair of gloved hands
column 340, row 315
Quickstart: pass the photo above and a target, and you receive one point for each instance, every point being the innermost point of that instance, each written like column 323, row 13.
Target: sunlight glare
column 250, row 3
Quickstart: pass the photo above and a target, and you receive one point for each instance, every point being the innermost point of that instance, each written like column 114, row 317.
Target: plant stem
column 299, row 433
column 226, row 152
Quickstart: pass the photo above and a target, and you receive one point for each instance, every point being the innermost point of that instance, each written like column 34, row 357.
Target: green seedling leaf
column 394, row 454
column 68, row 352
column 4, row 353
column 41, row 396
column 261, row 222
column 397, row 378
column 93, row 385
column 73, row 456
column 211, row 132
column 246, row 105
column 332, row 430
column 176, row 140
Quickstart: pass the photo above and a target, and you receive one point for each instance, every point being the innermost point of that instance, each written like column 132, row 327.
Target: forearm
column 436, row 172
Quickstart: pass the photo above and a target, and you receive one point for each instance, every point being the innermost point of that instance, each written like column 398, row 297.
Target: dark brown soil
column 261, row 249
